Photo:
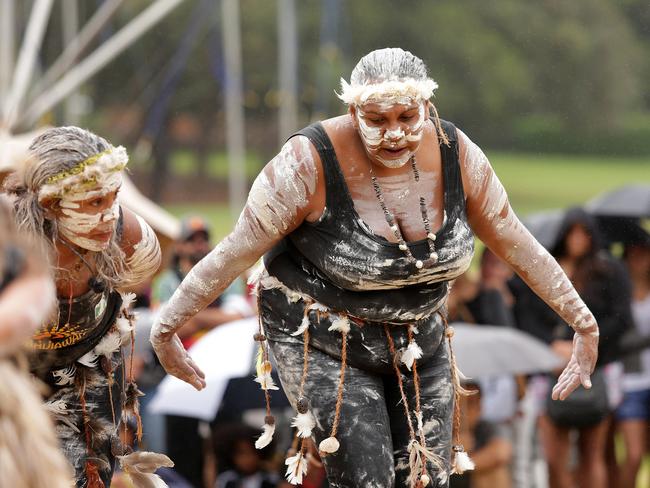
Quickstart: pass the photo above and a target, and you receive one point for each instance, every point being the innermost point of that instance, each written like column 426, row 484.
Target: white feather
column 305, row 423
column 65, row 376
column 462, row 463
column 109, row 344
column 411, row 354
column 342, row 325
column 127, row 300
column 266, row 381
column 140, row 466
column 293, row 296
column 318, row 307
column 296, row 468
column 304, row 325
column 57, row 407
column 266, row 437
column 414, row 329
column 89, row 359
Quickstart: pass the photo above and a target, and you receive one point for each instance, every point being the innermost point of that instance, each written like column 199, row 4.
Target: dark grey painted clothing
column 373, row 430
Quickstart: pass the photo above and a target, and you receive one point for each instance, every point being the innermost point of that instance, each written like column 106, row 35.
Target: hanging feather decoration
column 131, row 407
column 264, row 377
column 342, row 325
column 89, row 359
column 419, row 456
column 65, row 376
column 304, row 325
column 108, row 345
column 267, row 433
column 462, row 461
column 296, row 468
column 141, row 466
column 305, row 423
column 412, row 353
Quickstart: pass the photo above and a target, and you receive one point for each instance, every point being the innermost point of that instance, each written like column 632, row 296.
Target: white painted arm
column 496, row 224
column 277, row 203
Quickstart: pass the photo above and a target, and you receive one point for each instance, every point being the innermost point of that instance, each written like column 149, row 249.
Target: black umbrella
column 627, row 201
column 545, row 226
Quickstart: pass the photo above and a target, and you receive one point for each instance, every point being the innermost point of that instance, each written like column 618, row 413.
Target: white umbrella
column 223, row 353
column 483, row 350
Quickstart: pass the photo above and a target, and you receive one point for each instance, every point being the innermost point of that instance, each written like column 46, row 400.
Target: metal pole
column 7, row 46
column 288, row 69
column 98, row 59
column 70, row 24
column 31, row 45
column 234, row 106
column 72, row 51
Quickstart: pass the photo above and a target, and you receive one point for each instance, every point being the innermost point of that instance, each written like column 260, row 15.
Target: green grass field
column 533, row 182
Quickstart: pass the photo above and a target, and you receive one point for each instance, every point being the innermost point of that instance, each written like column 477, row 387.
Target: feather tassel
column 296, row 468
column 141, row 466
column 89, row 359
column 266, row 437
column 65, row 376
column 266, row 382
column 305, row 423
column 131, row 407
column 304, row 325
column 108, row 345
column 127, row 300
column 412, row 353
column 462, row 461
column 342, row 325
column 419, row 456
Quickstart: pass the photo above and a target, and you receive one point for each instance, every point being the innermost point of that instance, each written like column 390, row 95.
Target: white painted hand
column 177, row 362
column 581, row 365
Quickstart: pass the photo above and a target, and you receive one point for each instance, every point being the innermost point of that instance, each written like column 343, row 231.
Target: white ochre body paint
column 496, row 224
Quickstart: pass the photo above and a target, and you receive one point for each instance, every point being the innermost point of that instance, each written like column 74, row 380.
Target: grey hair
column 54, row 151
column 388, row 64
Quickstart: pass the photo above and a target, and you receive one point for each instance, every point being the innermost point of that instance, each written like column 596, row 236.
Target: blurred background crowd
column 203, row 92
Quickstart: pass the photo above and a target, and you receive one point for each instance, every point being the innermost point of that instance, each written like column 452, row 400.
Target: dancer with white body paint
column 66, row 196
column 364, row 220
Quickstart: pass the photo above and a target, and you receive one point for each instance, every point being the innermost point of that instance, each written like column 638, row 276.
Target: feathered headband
column 102, row 169
column 393, row 90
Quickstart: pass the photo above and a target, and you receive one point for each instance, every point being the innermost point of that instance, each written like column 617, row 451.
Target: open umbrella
column 545, row 226
column 485, row 350
column 627, row 201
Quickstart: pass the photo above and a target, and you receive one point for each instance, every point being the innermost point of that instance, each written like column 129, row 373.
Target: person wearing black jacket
column 604, row 285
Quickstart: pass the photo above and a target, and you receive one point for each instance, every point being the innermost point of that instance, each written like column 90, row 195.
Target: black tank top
column 341, row 263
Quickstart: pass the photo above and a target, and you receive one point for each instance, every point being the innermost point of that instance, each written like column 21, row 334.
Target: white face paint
column 90, row 229
column 377, row 138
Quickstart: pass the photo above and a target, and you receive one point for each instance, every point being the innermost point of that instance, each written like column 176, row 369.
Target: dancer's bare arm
column 496, row 224
column 278, row 202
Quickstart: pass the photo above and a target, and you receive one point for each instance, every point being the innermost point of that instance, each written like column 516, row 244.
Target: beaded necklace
column 390, row 218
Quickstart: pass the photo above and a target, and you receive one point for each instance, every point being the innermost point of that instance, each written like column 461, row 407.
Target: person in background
column 633, row 415
column 490, row 450
column 182, row 435
column 193, row 245
column 604, row 285
column 239, row 464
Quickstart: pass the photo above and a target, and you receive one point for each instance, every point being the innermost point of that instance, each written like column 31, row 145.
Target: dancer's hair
column 389, row 64
column 53, row 152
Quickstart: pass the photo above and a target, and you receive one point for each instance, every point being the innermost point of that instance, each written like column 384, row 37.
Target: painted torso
column 345, row 258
